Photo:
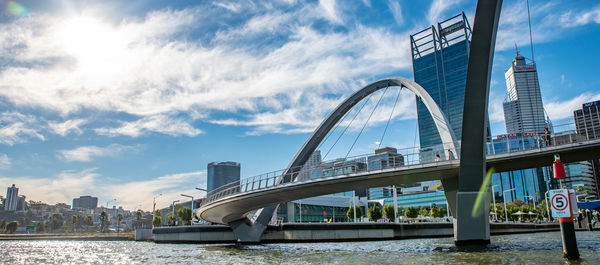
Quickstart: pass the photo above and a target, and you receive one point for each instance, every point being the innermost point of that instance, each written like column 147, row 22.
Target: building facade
column 524, row 184
column 85, row 202
column 12, row 198
column 221, row 173
column 523, row 107
column 587, row 123
column 385, row 157
column 440, row 58
column 581, row 174
column 307, row 170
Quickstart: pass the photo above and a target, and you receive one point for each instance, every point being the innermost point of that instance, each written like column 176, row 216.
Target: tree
column 411, row 212
column 2, row 224
column 171, row 219
column 388, row 210
column 185, row 215
column 139, row 214
column 119, row 219
column 40, row 227
column 350, row 212
column 423, row 211
column 400, row 210
column 104, row 220
column 157, row 221
column 56, row 222
column 12, row 227
column 74, row 220
column 437, row 212
column 374, row 213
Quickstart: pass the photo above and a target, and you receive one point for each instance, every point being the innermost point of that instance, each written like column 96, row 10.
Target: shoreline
column 83, row 237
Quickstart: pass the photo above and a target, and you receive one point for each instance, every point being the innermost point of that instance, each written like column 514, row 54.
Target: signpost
column 559, row 199
column 564, row 206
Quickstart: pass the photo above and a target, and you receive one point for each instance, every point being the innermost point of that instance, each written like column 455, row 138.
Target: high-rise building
column 313, row 161
column 440, row 58
column 385, row 157
column 525, row 183
column 222, row 173
column 581, row 174
column 587, row 123
column 85, row 202
column 12, row 194
column 21, row 204
column 523, row 108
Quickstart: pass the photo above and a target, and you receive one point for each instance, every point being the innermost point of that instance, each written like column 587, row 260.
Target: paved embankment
column 104, row 237
column 316, row 232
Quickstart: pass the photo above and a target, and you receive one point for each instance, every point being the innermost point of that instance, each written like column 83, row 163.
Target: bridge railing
column 411, row 156
column 332, row 168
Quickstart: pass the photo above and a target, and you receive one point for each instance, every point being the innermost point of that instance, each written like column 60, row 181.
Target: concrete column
column 290, row 212
column 471, row 224
column 450, row 188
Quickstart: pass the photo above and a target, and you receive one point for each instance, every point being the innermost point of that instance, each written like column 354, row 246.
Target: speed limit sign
column 559, row 201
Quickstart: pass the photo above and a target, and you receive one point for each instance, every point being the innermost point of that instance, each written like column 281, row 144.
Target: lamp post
column 533, row 199
column 395, row 194
column 173, row 209
column 191, row 197
column 494, row 200
column 504, row 199
column 547, row 207
column 354, row 205
column 154, row 207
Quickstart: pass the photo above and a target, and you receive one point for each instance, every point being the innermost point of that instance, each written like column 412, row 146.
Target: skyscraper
column 221, row 173
column 523, row 108
column 12, row 193
column 440, row 58
column 587, row 123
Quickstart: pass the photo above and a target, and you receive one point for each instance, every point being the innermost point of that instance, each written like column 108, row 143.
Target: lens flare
column 16, row 9
column 478, row 207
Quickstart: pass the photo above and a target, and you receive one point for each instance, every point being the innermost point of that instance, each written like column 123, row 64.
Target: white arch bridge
column 249, row 204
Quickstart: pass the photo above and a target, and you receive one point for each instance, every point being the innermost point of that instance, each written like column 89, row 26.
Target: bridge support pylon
column 250, row 231
column 471, row 222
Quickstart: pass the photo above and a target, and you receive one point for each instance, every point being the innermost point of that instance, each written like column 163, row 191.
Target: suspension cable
column 390, row 118
column 333, row 130
column 345, row 129
column 366, row 122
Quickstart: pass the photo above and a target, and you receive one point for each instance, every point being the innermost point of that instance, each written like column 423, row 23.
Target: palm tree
column 74, row 220
column 119, row 219
column 104, row 219
column 138, row 216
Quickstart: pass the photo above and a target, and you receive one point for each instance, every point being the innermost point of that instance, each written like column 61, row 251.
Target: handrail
column 507, row 143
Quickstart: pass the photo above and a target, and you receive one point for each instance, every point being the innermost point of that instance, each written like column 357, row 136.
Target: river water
column 538, row 248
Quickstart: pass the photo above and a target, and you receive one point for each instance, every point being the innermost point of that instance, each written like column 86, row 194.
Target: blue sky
column 130, row 99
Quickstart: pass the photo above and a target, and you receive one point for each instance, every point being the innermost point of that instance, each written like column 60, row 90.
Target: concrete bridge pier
column 249, row 231
column 472, row 225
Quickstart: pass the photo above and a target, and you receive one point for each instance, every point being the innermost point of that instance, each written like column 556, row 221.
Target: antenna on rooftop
column 530, row 37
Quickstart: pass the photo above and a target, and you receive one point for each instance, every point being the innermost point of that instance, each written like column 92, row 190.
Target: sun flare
column 99, row 49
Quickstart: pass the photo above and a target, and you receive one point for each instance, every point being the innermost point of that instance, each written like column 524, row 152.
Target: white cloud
column 561, row 109
column 330, row 11
column 396, row 10
column 18, row 128
column 87, row 153
column 130, row 194
column 233, row 7
column 496, row 107
column 157, row 123
column 574, row 19
column 4, row 161
column 437, row 10
column 66, row 127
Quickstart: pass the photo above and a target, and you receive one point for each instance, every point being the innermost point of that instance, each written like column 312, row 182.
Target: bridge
column 235, row 200
column 248, row 205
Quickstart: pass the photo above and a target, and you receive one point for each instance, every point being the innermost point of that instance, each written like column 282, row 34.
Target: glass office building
column 440, row 58
column 533, row 182
column 221, row 173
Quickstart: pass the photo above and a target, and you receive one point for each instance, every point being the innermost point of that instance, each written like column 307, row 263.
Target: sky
column 127, row 100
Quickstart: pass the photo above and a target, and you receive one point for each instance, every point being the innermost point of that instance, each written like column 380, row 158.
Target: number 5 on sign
column 559, row 201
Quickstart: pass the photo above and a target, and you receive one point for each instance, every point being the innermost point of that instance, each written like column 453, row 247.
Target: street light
column 504, row 199
column 494, row 199
column 192, row 197
column 173, row 208
column 201, row 189
column 533, row 199
column 154, row 208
